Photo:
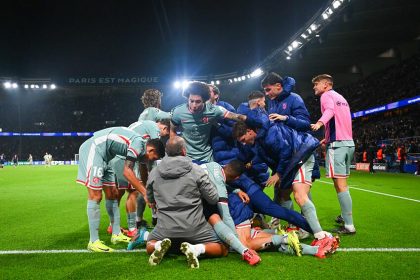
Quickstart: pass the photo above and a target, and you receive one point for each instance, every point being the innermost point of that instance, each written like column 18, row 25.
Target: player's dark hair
column 239, row 129
column 256, row 95
column 166, row 122
column 158, row 145
column 197, row 88
column 271, row 79
column 235, row 168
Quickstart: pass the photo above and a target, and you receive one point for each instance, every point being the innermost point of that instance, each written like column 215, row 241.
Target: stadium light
column 53, row 86
column 257, row 72
column 177, row 84
column 212, row 82
column 296, row 44
column 7, row 84
column 288, row 57
column 185, row 84
column 217, row 82
column 44, row 86
column 336, row 4
column 14, row 85
column 32, row 86
column 26, row 86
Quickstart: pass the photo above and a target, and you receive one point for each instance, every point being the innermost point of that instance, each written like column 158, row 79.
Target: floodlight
column 185, row 84
column 336, row 4
column 7, row 84
column 295, row 44
column 52, row 86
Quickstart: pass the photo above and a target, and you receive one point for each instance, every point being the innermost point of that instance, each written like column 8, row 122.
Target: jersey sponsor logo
column 339, row 103
column 284, row 106
column 95, row 180
column 205, row 119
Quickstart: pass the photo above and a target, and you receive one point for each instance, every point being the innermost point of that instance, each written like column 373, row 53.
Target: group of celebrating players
column 205, row 184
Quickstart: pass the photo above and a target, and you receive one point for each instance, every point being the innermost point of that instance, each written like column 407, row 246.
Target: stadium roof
column 52, row 39
column 367, row 37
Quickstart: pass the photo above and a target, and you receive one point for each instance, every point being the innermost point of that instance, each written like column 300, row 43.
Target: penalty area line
column 380, row 193
column 28, row 252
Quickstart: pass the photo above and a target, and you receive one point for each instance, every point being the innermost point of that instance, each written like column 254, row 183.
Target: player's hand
column 316, row 126
column 273, row 180
column 277, row 117
column 244, row 197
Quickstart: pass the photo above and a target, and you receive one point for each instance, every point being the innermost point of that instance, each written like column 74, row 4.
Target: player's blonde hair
column 321, row 77
column 151, row 98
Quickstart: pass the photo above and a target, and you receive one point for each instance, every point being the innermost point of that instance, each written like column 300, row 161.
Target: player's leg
column 206, row 243
column 261, row 203
column 131, row 207
column 341, row 160
column 90, row 175
column 112, row 207
column 301, row 187
column 230, row 238
column 141, row 207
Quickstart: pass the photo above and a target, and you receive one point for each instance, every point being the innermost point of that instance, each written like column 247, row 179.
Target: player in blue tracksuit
column 286, row 107
column 289, row 154
column 259, row 201
column 223, row 145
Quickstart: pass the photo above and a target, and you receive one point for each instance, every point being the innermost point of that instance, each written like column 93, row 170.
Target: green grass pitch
column 44, row 209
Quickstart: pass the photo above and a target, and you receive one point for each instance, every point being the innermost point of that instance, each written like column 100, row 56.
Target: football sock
column 288, row 204
column 94, row 216
column 113, row 211
column 198, row 249
column 141, row 205
column 131, row 220
column 226, row 217
column 157, row 245
column 309, row 250
column 346, row 208
column 306, row 249
column 227, row 236
column 309, row 212
column 279, row 239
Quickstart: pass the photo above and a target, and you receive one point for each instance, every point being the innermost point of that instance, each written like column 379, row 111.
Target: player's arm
column 234, row 116
column 131, row 177
column 328, row 103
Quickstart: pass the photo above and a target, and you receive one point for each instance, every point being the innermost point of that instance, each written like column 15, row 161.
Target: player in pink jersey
column 336, row 118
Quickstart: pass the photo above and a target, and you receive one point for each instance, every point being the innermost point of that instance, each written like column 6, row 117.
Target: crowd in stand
column 116, row 107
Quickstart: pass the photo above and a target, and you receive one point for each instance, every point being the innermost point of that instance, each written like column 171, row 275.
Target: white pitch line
column 385, row 194
column 379, row 249
column 28, row 252
column 25, row 252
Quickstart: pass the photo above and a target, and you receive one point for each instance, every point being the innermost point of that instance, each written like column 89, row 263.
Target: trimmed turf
column 44, row 209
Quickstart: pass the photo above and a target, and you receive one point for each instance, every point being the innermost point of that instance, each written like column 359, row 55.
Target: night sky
column 164, row 38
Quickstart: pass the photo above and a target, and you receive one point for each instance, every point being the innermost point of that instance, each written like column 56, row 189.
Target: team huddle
column 205, row 185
